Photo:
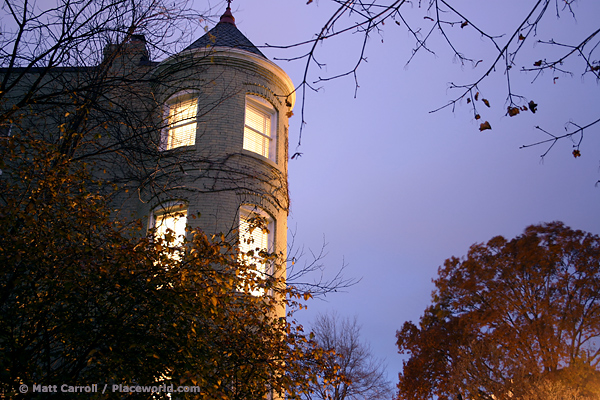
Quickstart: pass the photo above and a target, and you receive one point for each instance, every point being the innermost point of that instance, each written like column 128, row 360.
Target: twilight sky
column 396, row 190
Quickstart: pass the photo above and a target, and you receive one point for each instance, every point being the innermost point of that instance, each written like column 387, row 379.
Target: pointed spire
column 225, row 34
column 227, row 17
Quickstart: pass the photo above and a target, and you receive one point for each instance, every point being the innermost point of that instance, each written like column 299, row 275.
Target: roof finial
column 227, row 17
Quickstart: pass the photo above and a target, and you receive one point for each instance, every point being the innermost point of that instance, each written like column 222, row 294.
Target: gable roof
column 226, row 34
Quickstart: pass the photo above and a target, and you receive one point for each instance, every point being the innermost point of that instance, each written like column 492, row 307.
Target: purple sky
column 394, row 189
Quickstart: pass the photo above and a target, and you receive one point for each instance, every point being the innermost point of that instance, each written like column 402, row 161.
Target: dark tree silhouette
column 351, row 372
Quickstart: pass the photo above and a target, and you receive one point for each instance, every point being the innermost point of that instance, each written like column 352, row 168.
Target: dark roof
column 226, row 34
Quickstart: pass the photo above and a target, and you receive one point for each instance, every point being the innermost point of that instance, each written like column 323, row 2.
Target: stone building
column 202, row 137
column 226, row 107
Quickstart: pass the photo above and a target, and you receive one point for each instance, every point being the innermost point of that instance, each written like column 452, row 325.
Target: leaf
column 464, row 24
column 521, row 37
column 477, row 116
column 576, row 153
column 468, row 100
column 487, row 103
column 532, row 106
column 477, row 96
column 537, row 63
column 289, row 114
column 512, row 111
column 485, row 125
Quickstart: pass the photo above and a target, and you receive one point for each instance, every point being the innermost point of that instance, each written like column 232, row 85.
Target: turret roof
column 226, row 34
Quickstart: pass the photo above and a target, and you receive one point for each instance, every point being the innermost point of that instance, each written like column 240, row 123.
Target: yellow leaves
column 289, row 114
column 484, row 125
column 477, row 116
column 194, row 298
column 486, row 102
column 576, row 153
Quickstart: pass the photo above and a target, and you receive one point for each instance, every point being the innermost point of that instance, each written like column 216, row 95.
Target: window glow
column 255, row 233
column 170, row 225
column 182, row 124
column 258, row 127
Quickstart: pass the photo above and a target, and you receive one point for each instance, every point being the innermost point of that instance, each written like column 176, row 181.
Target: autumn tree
column 517, row 39
column 85, row 298
column 351, row 371
column 514, row 317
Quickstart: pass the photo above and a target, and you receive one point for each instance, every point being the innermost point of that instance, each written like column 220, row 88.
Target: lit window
column 169, row 223
column 259, row 127
column 255, row 236
column 181, row 130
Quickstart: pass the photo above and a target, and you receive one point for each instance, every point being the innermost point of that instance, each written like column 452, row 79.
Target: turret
column 226, row 108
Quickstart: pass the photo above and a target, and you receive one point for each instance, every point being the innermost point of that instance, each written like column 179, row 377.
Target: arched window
column 260, row 127
column 181, row 115
column 169, row 221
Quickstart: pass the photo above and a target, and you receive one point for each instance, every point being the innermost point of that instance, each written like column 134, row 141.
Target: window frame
column 170, row 208
column 264, row 268
column 268, row 148
column 168, row 141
